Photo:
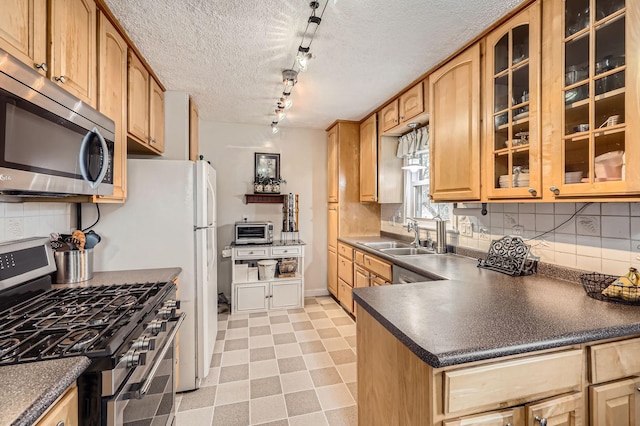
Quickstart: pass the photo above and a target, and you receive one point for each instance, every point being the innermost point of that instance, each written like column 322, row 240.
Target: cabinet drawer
column 379, row 281
column 514, row 416
column 359, row 256
column 344, row 295
column 286, row 251
column 615, row 360
column 523, row 379
column 345, row 250
column 345, row 270
column 65, row 411
column 378, row 267
column 252, row 252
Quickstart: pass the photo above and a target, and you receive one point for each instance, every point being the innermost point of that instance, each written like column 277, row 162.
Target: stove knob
column 167, row 313
column 156, row 326
column 144, row 343
column 172, row 304
column 134, row 358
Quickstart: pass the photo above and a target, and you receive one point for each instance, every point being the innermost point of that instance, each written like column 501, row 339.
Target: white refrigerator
column 169, row 220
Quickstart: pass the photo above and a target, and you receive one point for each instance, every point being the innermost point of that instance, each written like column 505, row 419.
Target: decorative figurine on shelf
column 275, row 184
column 260, row 182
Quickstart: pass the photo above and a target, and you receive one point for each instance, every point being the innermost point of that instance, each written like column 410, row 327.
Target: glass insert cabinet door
column 599, row 141
column 512, row 107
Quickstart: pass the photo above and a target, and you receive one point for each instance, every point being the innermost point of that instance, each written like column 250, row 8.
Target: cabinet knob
column 555, row 190
column 62, row 79
column 42, row 67
column 533, row 192
column 542, row 421
column 61, row 422
column 508, row 424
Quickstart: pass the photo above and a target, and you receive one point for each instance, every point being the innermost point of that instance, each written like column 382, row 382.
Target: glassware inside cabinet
column 594, row 91
column 511, row 76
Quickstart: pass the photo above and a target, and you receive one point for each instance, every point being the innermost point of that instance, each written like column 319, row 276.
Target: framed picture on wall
column 267, row 165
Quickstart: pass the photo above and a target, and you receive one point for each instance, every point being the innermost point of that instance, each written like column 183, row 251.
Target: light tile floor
column 295, row 367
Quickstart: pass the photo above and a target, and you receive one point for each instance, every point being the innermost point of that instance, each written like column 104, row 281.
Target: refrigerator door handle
column 213, row 225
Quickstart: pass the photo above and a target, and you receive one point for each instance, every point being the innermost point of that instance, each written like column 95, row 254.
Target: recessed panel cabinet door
column 368, row 160
column 112, row 98
column 23, row 31
column 138, row 95
column 332, row 272
column 73, row 41
column 332, row 165
column 411, row 103
column 616, row 403
column 559, row 411
column 156, row 117
column 455, row 128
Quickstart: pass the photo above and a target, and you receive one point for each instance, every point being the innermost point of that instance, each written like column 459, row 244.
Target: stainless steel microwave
column 51, row 143
column 254, row 233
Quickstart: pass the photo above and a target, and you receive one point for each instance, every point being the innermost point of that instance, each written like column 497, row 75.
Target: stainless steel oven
column 51, row 143
column 148, row 395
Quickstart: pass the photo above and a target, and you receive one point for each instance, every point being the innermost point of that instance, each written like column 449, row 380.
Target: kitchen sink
column 405, row 251
column 381, row 245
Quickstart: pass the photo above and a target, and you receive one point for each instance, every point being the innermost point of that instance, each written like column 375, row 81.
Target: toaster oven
column 253, row 233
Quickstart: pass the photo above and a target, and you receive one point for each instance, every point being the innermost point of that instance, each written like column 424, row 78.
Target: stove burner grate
column 8, row 348
column 78, row 340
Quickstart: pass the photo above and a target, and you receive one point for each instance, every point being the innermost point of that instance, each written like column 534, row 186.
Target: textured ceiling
column 229, row 54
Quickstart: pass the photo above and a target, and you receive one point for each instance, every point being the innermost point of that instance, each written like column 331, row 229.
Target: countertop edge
column 42, row 404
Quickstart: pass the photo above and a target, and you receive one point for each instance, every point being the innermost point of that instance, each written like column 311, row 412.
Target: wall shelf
column 264, row 198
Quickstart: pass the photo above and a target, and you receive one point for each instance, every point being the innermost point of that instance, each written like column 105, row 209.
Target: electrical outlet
column 466, row 229
column 483, row 234
column 518, row 230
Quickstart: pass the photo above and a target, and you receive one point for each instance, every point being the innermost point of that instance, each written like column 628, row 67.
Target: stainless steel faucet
column 412, row 225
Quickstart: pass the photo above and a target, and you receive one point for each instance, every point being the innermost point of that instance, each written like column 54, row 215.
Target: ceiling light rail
column 300, row 64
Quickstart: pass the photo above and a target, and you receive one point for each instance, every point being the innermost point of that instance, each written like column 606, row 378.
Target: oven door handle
column 147, row 382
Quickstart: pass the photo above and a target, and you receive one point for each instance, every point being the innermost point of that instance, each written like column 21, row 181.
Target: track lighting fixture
column 300, row 63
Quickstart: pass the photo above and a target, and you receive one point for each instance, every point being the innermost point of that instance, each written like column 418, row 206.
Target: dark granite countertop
column 29, row 389
column 128, row 277
column 475, row 314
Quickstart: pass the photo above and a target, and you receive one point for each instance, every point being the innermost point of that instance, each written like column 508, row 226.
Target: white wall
column 33, row 219
column 303, row 163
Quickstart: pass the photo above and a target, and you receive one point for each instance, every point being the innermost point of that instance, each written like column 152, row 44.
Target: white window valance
column 413, row 143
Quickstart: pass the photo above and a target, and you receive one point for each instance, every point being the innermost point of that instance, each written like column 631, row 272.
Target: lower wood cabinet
column 345, row 295
column 332, row 272
column 64, row 412
column 512, row 417
column 616, row 403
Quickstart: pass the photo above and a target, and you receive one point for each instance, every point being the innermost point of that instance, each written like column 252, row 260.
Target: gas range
column 89, row 321
column 127, row 330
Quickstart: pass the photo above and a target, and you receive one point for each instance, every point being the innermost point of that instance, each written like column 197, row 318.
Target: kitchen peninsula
column 486, row 348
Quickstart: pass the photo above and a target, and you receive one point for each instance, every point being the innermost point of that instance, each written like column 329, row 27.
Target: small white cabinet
column 249, row 294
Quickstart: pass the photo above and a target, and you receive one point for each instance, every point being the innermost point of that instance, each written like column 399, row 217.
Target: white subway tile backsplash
column 615, row 267
column 511, row 208
column 24, row 220
column 615, row 227
column 544, row 208
column 564, row 224
column 615, row 209
column 14, row 210
column 588, row 246
column 588, row 225
column 526, row 208
column 602, row 237
column 616, row 249
column 544, row 222
column 565, row 208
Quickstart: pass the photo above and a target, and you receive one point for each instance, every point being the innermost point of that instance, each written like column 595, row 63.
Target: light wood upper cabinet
column 591, row 91
column 616, row 403
column 156, row 116
column 455, row 128
column 332, row 165
column 73, row 47
column 146, row 110
column 389, row 116
column 138, row 95
column 112, row 100
column 411, row 103
column 194, row 130
column 23, row 31
column 368, row 160
column 512, row 166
